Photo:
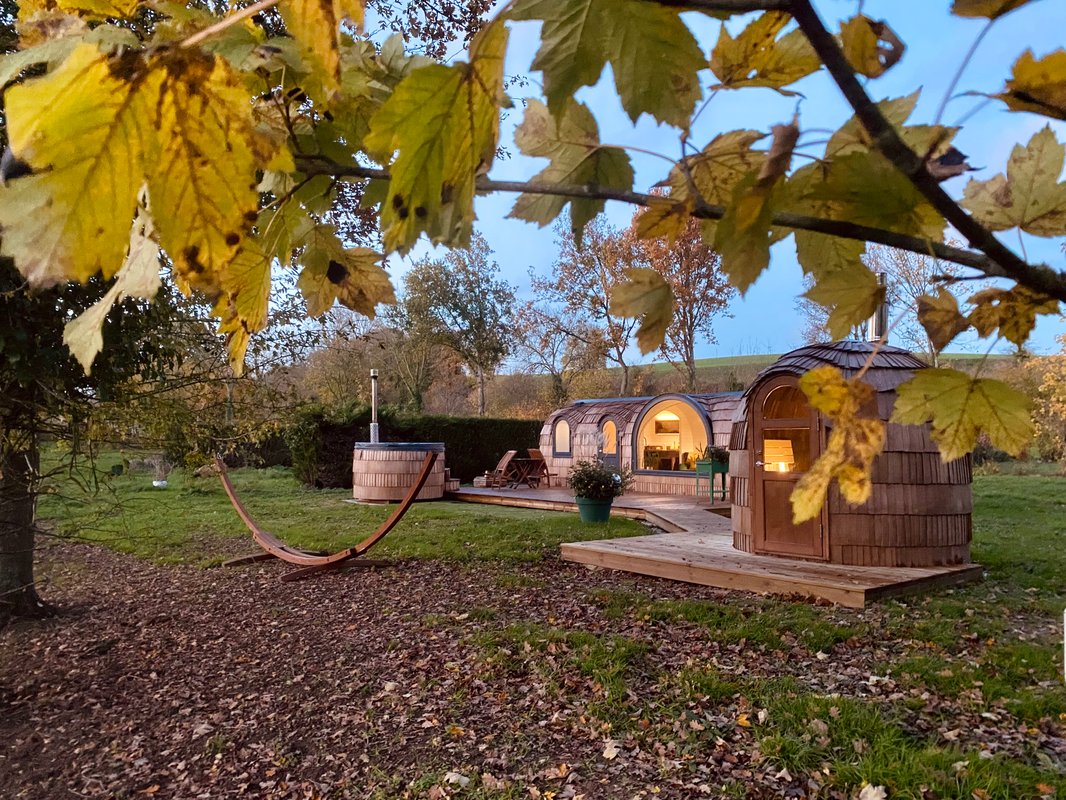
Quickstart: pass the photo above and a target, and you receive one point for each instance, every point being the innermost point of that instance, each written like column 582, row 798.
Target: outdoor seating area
column 513, row 471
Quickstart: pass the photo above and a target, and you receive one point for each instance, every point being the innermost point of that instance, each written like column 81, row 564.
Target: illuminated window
column 672, row 437
column 786, row 449
column 610, row 438
column 561, row 438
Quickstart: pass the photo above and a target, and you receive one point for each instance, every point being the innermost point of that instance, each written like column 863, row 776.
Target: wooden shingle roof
column 891, row 365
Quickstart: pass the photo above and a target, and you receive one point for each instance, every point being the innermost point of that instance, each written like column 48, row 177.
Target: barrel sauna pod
column 919, row 513
column 383, row 472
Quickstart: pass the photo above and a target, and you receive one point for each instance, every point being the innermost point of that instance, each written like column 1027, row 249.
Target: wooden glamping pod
column 657, row 437
column 919, row 512
column 382, row 472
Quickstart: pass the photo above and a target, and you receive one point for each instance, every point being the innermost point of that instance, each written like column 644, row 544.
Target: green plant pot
column 593, row 510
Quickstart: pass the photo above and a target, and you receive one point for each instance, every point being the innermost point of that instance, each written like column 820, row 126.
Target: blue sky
column 765, row 321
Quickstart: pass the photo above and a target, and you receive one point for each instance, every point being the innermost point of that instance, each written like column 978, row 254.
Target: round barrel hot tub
column 383, row 472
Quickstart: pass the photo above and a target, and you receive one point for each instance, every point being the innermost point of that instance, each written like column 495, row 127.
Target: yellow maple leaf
column 243, row 305
column 941, row 318
column 852, row 136
column 645, row 294
column 84, row 129
column 871, row 47
column 985, row 8
column 867, row 189
column 719, row 167
column 202, row 185
column 442, row 124
column 315, row 25
column 664, row 218
column 1030, row 195
column 758, row 58
column 332, row 273
column 1038, row 85
column 851, row 294
column 742, row 236
column 137, row 277
column 571, row 139
column 961, row 406
column 1012, row 312
column 821, row 254
column 856, row 438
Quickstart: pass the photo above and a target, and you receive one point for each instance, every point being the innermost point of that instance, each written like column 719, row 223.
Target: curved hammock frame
column 312, row 562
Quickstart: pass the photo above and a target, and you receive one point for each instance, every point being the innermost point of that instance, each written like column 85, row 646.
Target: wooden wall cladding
column 738, row 491
column 683, row 484
column 921, row 467
column 919, row 512
column 586, row 417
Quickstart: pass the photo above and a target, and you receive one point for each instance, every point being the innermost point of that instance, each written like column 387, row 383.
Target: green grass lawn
column 189, row 521
column 988, row 655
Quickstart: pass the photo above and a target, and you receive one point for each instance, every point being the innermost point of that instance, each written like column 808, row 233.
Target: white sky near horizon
column 765, row 320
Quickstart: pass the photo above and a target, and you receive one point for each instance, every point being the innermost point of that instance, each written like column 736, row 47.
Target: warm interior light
column 667, row 415
column 777, row 455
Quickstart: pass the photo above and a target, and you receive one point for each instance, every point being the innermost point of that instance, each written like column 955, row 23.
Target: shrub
column 597, row 481
column 984, row 452
column 321, row 443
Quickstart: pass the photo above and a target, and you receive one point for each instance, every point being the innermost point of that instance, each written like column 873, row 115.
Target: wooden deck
column 699, row 549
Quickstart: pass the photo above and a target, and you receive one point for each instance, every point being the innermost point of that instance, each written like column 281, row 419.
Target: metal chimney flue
column 877, row 326
column 374, row 437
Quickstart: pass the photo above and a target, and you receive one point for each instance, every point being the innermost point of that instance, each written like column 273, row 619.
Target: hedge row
column 321, row 444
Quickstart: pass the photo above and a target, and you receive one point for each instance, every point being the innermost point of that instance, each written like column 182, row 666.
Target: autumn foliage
column 218, row 144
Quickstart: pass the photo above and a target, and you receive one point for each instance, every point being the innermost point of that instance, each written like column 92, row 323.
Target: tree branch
column 317, row 165
column 730, row 6
column 891, row 145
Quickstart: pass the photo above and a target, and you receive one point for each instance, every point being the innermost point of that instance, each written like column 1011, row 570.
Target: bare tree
column 702, row 291
column 584, row 273
column 559, row 344
column 910, row 276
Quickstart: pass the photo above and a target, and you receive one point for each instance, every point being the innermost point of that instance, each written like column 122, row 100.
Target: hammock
column 312, row 562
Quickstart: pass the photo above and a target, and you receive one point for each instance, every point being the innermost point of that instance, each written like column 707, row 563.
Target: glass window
column 786, row 449
column 561, row 440
column 785, row 402
column 671, row 436
column 610, row 438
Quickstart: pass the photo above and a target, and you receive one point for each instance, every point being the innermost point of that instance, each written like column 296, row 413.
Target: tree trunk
column 19, row 466
column 559, row 393
column 690, row 374
column 623, row 389
column 480, row 392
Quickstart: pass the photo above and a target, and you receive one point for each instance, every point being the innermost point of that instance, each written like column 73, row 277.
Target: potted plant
column 595, row 486
column 712, row 455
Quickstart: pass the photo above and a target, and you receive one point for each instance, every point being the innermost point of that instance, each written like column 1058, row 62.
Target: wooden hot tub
column 383, row 472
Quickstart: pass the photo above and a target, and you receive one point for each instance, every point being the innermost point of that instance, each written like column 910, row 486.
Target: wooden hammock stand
column 314, row 562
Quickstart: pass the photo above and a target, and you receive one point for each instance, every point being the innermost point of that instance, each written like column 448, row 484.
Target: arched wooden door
column 608, row 444
column 786, row 441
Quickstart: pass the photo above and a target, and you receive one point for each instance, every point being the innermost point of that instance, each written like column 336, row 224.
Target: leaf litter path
column 179, row 682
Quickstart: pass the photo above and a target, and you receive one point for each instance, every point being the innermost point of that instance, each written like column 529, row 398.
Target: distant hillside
column 528, row 395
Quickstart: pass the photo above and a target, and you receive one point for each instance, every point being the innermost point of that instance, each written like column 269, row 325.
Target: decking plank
column 699, row 549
